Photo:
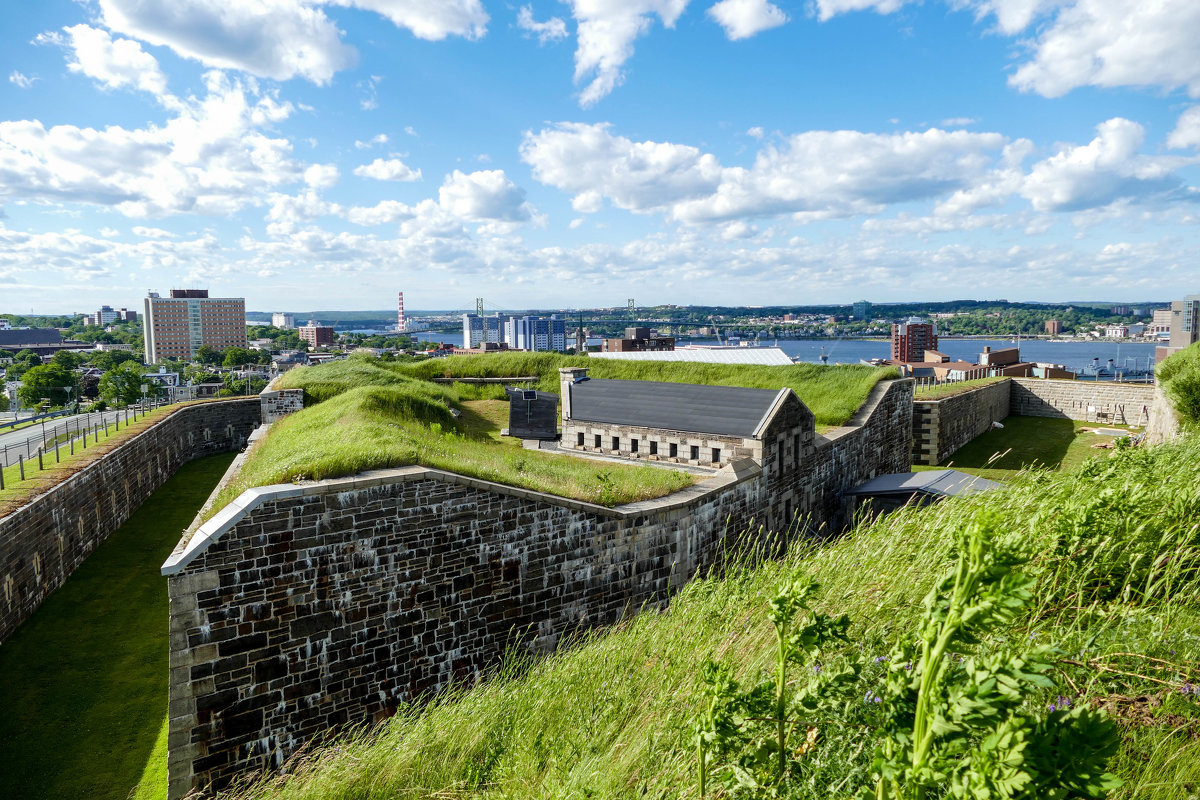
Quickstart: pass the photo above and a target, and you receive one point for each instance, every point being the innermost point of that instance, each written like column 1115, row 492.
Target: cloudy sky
column 328, row 153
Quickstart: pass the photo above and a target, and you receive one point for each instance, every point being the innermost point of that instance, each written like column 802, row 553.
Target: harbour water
column 1074, row 355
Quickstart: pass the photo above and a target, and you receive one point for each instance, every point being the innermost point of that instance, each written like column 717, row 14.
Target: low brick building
column 682, row 423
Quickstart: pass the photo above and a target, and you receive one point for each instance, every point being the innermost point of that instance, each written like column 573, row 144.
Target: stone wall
column 1164, row 422
column 297, row 610
column 941, row 427
column 1088, row 401
column 278, row 404
column 43, row 542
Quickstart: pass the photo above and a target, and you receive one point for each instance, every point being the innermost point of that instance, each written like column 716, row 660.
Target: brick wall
column 43, row 542
column 1088, row 401
column 297, row 610
column 941, row 427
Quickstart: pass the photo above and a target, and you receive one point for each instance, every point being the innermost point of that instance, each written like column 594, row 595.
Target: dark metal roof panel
column 722, row 410
column 941, row 482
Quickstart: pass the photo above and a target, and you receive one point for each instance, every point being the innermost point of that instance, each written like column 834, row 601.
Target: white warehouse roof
column 763, row 356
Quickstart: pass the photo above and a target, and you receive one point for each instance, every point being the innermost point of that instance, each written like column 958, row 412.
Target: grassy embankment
column 1114, row 547
column 365, row 414
column 83, row 683
column 944, row 390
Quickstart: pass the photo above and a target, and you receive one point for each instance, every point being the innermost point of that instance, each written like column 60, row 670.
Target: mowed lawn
column 1029, row 443
column 83, row 683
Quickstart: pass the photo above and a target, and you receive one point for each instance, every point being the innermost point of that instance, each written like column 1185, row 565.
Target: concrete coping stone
column 229, row 516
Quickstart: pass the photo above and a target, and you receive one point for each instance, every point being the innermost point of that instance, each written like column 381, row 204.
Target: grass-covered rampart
column 365, row 414
column 1114, row 551
column 1179, row 376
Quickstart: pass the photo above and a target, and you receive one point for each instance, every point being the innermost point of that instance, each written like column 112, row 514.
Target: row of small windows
column 634, row 444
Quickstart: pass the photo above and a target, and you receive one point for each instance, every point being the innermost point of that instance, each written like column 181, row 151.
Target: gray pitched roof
column 940, row 482
column 17, row 337
column 722, row 410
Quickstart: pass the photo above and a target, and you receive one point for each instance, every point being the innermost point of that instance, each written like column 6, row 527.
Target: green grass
column 944, row 390
column 367, row 414
column 1028, row 443
column 379, row 427
column 1179, row 376
column 833, row 394
column 1114, row 549
column 83, row 683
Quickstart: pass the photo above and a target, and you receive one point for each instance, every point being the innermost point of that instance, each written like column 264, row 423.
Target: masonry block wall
column 301, row 609
column 1088, row 401
column 276, row 405
column 43, row 542
column 941, row 427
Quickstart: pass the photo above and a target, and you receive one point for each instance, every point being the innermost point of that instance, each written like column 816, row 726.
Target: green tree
column 29, row 357
column 123, row 384
column 3, row 402
column 46, row 382
column 237, row 356
column 66, row 359
column 208, row 355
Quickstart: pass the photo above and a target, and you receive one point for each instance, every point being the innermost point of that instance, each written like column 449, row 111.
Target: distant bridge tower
column 632, row 309
column 400, row 323
column 479, row 306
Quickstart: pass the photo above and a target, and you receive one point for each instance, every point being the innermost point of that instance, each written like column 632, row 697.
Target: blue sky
column 313, row 154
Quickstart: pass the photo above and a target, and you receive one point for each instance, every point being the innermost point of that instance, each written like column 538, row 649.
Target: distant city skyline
column 573, row 154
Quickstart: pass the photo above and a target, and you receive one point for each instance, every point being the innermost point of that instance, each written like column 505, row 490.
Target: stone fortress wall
column 44, row 541
column 941, row 427
column 299, row 609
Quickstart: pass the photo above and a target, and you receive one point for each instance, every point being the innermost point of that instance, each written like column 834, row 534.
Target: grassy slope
column 83, row 683
column 833, row 393
column 944, row 390
column 611, row 718
column 370, row 414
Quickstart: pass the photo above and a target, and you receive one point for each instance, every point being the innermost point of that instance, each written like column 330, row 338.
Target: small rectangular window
column 716, row 455
column 616, row 443
column 695, row 453
column 796, row 451
column 579, row 439
column 597, row 441
column 633, row 445
column 673, row 450
column 653, row 448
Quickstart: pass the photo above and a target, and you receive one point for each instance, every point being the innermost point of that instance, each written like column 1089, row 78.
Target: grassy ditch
column 83, row 683
column 1113, row 548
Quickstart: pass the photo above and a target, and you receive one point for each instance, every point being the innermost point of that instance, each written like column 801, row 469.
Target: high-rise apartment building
column 400, row 322
column 177, row 326
column 910, row 339
column 479, row 330
column 861, row 310
column 316, row 334
column 284, row 321
column 537, row 333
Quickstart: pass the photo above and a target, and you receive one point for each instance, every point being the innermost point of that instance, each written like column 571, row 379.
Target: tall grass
column 1180, row 378
column 1114, row 548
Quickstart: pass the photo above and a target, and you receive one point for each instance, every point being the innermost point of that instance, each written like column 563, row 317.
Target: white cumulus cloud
column 209, row 158
column 391, row 169
column 742, row 19
column 552, row 30
column 486, row 195
column 1187, row 130
column 113, row 63
column 1105, row 170
column 606, row 31
column 433, row 20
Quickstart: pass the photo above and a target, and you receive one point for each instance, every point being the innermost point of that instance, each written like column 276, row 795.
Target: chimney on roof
column 567, row 376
